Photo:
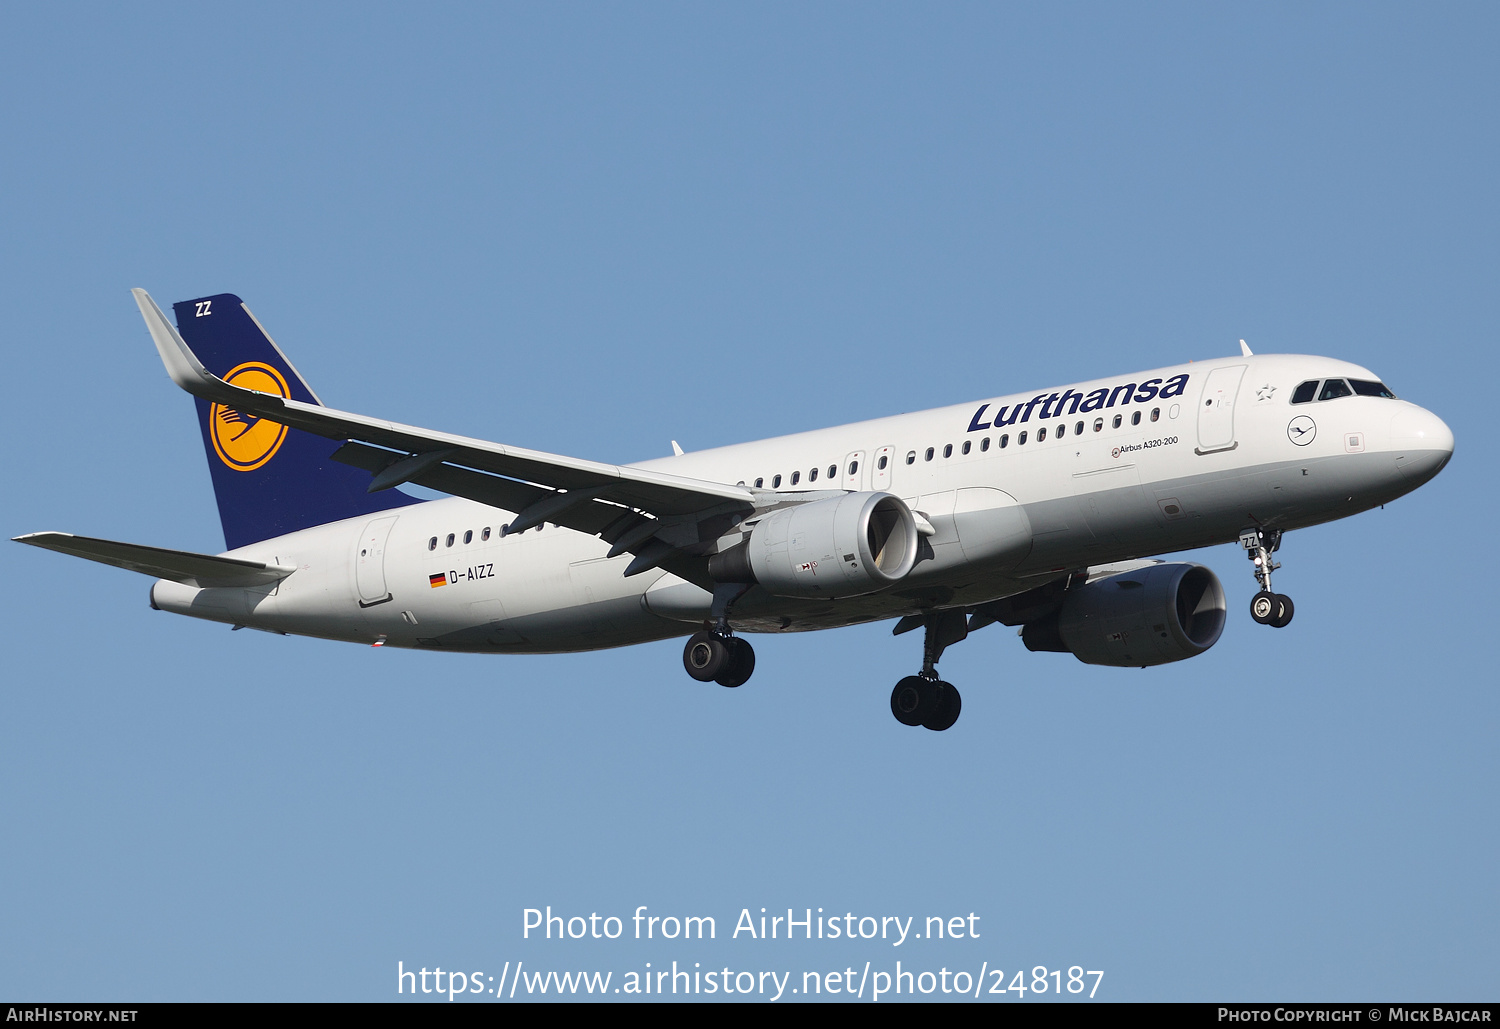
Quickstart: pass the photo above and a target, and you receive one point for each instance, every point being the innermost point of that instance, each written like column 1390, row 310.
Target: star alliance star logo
column 1264, row 393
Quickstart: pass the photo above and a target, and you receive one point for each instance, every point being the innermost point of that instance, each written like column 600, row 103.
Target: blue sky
column 595, row 229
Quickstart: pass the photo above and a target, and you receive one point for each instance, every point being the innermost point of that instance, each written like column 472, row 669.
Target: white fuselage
column 1185, row 470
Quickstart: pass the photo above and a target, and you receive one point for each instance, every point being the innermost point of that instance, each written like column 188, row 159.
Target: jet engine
column 1147, row 616
column 840, row 547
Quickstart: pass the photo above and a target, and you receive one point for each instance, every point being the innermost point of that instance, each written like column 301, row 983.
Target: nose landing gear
column 1266, row 607
column 924, row 699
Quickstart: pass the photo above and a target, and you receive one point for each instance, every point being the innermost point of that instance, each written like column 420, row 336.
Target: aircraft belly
column 617, row 622
column 551, row 592
column 1211, row 508
column 1103, row 525
column 1318, row 490
column 1185, row 512
column 977, row 527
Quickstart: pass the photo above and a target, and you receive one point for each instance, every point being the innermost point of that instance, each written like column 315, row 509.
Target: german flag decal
column 437, row 579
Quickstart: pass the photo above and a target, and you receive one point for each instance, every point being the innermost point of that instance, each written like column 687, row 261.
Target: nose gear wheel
column 1266, row 607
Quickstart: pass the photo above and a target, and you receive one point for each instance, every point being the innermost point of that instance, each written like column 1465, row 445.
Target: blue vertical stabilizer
column 269, row 479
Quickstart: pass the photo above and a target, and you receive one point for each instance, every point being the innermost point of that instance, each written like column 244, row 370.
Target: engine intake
column 1148, row 616
column 840, row 547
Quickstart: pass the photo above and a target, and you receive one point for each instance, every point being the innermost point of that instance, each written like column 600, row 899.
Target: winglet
column 1245, row 349
column 182, row 364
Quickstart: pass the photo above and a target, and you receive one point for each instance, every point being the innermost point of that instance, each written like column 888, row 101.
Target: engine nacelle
column 840, row 547
column 1148, row 616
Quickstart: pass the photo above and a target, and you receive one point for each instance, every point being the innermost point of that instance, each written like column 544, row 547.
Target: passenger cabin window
column 1062, row 430
column 1156, row 414
column 759, row 483
column 812, row 476
column 450, row 539
column 1135, row 419
column 948, row 450
column 1366, row 388
column 1304, row 393
column 1335, row 388
column 1116, row 423
column 928, row 456
column 968, row 445
column 1004, row 440
column 883, row 462
column 1098, row 424
column 1041, row 434
column 776, row 482
column 911, row 457
column 485, row 535
column 432, row 543
column 833, row 471
column 1021, row 439
column 853, row 467
column 984, row 444
column 468, row 536
column 796, row 478
column 1078, row 429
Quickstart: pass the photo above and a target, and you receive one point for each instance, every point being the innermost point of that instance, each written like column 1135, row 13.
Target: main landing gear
column 924, row 699
column 717, row 655
column 1267, row 608
column 726, row 660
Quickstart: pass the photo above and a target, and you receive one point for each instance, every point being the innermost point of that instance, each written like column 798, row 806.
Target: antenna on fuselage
column 1245, row 349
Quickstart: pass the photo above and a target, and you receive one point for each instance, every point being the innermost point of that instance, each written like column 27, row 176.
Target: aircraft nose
column 1422, row 442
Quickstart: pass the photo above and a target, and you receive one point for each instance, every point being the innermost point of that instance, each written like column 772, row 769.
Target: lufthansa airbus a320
column 1039, row 510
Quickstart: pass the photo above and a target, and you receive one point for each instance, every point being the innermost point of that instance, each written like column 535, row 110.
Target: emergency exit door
column 369, row 562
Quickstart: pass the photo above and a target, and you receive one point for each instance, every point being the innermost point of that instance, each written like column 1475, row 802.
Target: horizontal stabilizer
column 201, row 570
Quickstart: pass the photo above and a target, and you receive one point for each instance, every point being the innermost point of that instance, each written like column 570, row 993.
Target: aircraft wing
column 201, row 570
column 657, row 516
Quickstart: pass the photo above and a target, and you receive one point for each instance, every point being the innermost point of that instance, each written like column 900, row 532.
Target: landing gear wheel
column 741, row 663
column 945, row 712
column 706, row 657
column 1267, row 608
column 914, row 700
column 1284, row 610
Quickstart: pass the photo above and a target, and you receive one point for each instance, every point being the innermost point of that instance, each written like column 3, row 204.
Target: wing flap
column 597, row 517
column 186, row 567
column 492, row 490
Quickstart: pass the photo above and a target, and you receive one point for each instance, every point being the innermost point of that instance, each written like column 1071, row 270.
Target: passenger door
column 1216, row 409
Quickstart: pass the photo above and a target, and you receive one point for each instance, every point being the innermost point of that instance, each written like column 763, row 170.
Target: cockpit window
column 1366, row 388
column 1335, row 388
column 1305, row 392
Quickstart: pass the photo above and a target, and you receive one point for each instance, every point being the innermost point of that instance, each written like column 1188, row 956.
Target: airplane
column 1040, row 511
